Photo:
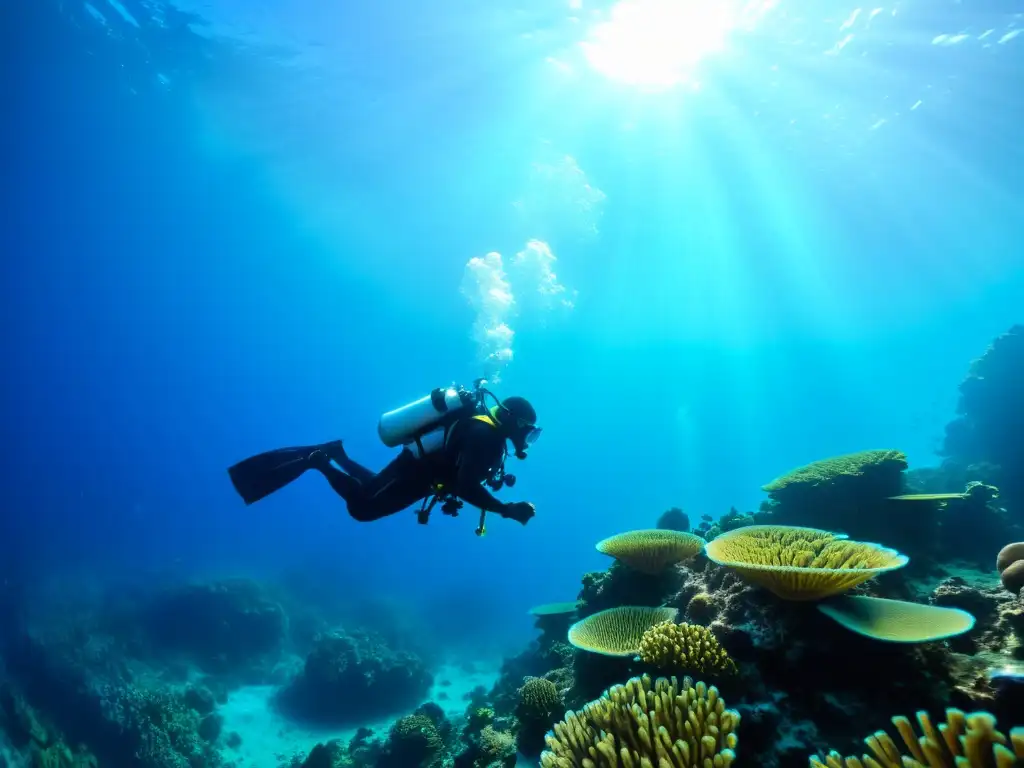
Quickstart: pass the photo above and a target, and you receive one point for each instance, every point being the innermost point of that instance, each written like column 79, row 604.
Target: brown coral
column 685, row 647
column 964, row 740
column 667, row 723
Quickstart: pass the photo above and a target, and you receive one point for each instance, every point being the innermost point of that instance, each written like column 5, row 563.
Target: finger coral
column 685, row 647
column 801, row 563
column 617, row 631
column 964, row 740
column 1010, row 564
column 651, row 551
column 665, row 723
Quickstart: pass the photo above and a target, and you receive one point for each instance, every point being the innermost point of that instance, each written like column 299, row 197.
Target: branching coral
column 964, row 741
column 801, row 563
column 686, row 648
column 617, row 631
column 652, row 551
column 496, row 745
column 666, row 722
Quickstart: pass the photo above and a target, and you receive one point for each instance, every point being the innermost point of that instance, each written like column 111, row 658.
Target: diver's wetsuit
column 473, row 451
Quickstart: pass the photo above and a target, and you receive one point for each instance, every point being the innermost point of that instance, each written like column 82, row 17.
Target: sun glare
column 659, row 43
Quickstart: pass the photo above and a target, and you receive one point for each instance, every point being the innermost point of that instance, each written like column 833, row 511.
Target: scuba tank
column 411, row 422
column 422, row 426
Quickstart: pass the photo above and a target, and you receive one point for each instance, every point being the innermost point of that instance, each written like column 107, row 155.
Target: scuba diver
column 452, row 446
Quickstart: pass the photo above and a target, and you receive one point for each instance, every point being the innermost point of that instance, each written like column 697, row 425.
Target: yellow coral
column 801, row 563
column 651, row 551
column 685, row 647
column 828, row 470
column 964, row 741
column 664, row 724
column 617, row 631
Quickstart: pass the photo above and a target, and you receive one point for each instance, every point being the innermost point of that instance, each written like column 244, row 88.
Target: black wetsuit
column 473, row 451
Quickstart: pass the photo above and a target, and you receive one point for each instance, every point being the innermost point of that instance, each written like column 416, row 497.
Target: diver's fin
column 259, row 476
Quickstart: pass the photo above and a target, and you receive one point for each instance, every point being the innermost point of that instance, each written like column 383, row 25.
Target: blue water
column 250, row 227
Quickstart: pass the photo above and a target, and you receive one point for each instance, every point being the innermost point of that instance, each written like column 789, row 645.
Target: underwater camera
column 449, row 506
column 500, row 480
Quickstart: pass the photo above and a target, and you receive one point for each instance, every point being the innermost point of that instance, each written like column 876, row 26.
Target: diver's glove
column 520, row 511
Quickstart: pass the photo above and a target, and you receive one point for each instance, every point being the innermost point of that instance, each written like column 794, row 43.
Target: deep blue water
column 225, row 237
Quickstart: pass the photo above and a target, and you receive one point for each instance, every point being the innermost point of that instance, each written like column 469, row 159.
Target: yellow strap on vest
column 487, row 420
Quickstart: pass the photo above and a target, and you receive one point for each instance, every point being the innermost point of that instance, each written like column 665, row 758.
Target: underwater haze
column 708, row 242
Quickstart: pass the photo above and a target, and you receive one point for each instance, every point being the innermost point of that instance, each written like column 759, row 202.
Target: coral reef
column 987, row 436
column 125, row 716
column 484, row 744
column 671, row 723
column 805, row 631
column 349, row 676
column 230, row 628
column 40, row 743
